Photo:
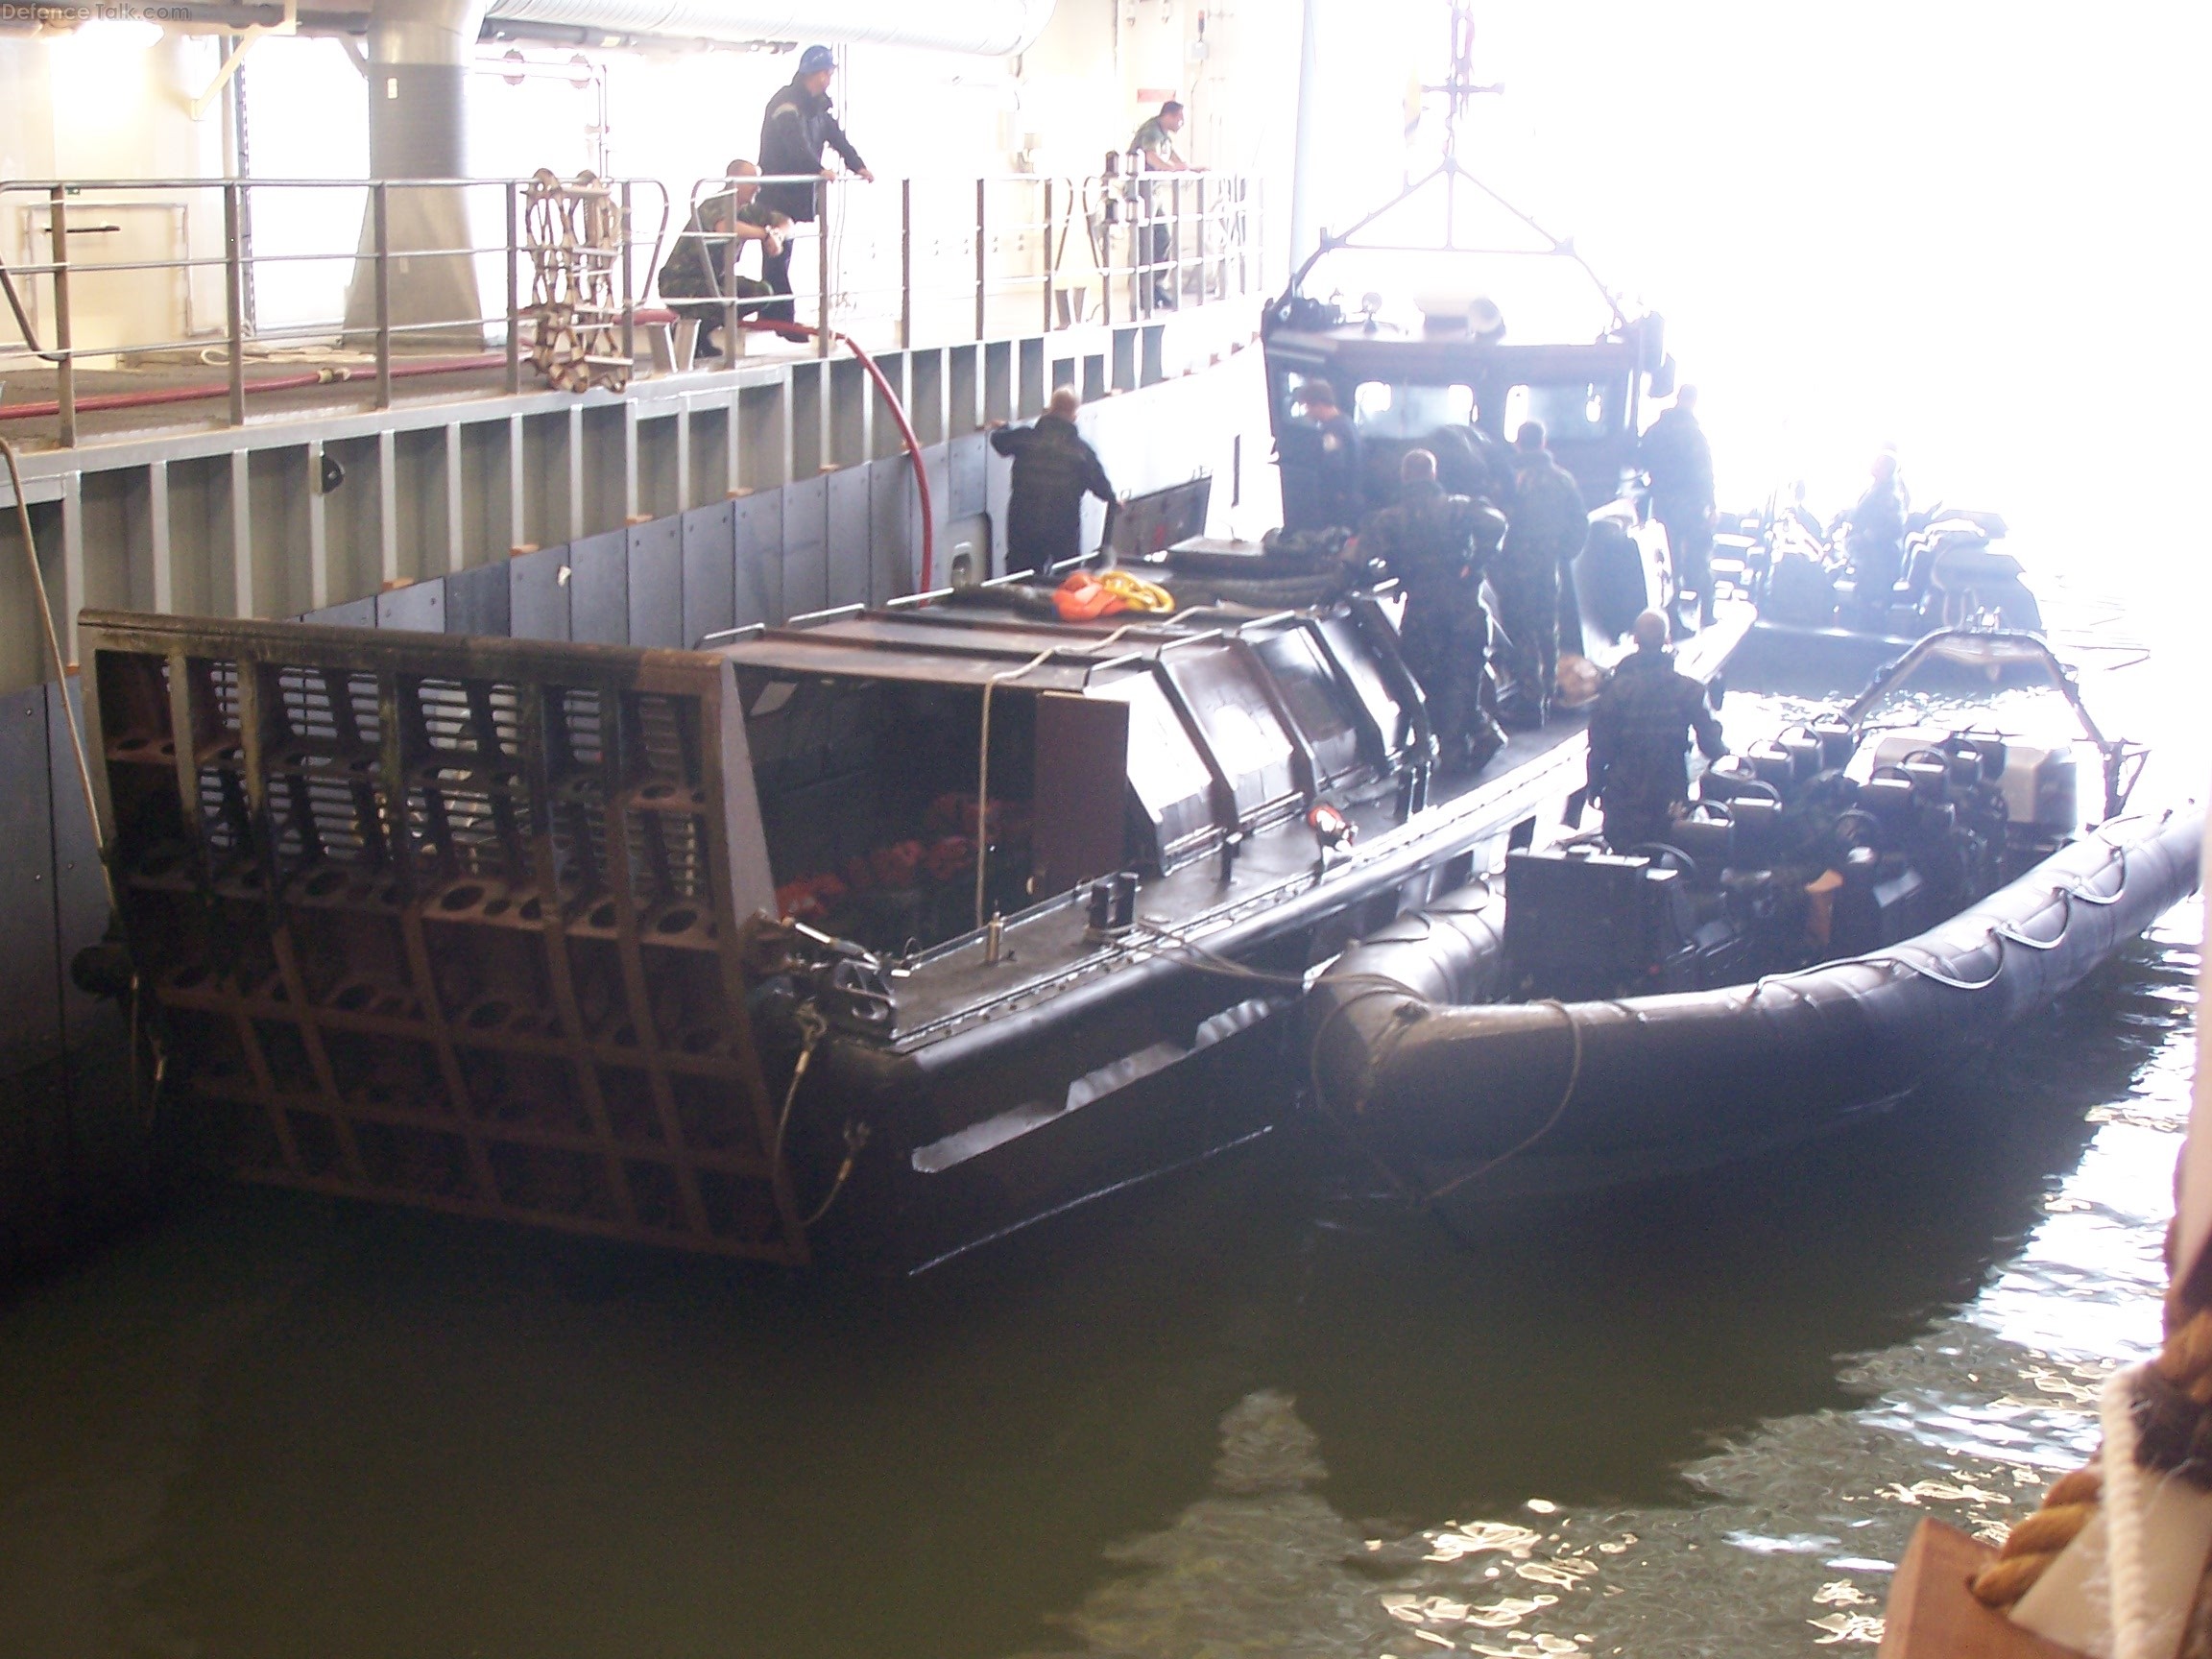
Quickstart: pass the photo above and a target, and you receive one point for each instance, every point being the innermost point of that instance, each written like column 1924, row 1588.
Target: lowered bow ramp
column 450, row 922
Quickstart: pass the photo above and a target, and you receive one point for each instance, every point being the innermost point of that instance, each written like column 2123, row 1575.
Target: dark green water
column 1257, row 1408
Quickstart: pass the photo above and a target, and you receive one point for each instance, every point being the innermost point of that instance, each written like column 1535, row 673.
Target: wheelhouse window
column 1381, row 409
column 1576, row 412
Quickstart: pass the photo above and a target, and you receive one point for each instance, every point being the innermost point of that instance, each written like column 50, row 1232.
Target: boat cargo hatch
column 1141, row 747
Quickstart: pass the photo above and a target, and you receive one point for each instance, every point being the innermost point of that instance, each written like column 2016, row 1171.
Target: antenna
column 1461, row 88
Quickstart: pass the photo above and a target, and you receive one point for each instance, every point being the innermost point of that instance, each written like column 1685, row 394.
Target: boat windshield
column 1381, row 409
column 1573, row 412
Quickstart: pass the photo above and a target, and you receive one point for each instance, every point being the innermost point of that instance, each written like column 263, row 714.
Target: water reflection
column 1818, row 1319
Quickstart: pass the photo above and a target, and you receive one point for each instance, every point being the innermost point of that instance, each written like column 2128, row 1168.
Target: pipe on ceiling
column 986, row 27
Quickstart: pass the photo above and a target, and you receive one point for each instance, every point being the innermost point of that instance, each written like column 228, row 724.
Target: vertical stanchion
column 513, row 290
column 629, row 291
column 1047, row 255
column 1102, row 251
column 1202, row 293
column 235, row 297
column 380, row 201
column 906, row 264
column 1235, row 221
column 1140, row 277
column 65, row 362
column 982, row 255
column 822, row 267
column 1176, row 239
column 1255, row 231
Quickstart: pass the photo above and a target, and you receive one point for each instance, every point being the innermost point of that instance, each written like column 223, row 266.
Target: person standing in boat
column 1437, row 544
column 1053, row 469
column 1676, row 458
column 1547, row 526
column 1640, row 733
column 1874, row 541
column 796, row 128
column 1319, row 454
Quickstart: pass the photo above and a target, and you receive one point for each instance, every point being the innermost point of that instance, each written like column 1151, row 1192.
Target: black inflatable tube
column 1661, row 1083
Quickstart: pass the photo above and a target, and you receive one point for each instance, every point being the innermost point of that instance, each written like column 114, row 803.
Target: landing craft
column 725, row 949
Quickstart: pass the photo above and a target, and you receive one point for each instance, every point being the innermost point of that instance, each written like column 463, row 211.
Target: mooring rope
column 2178, row 1383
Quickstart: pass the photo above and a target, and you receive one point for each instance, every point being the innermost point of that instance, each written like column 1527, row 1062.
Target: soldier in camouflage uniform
column 1438, row 545
column 701, row 276
column 1639, row 736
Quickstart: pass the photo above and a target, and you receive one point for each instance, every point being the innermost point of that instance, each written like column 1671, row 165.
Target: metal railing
column 898, row 263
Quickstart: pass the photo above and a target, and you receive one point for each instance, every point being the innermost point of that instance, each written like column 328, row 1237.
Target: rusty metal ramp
column 452, row 922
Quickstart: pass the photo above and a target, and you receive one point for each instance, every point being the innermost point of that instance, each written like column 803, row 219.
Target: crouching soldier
column 1438, row 545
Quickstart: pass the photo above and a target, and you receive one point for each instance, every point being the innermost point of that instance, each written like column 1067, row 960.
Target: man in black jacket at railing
column 794, row 131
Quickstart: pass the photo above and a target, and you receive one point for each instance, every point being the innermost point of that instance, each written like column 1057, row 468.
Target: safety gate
column 450, row 922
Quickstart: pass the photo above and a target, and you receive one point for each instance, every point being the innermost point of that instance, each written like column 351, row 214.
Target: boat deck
column 1046, row 950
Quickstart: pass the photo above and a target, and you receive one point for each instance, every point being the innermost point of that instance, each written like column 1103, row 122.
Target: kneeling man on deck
column 1639, row 736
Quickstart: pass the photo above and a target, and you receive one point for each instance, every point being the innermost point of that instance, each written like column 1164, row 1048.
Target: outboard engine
column 1807, row 754
column 1731, row 776
column 1838, row 742
column 1772, row 764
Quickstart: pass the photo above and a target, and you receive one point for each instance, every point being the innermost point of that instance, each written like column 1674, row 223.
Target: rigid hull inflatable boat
column 875, row 933
column 1850, row 910
column 1810, row 620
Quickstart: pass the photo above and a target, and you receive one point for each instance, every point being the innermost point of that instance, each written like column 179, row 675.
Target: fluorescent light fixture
column 118, row 36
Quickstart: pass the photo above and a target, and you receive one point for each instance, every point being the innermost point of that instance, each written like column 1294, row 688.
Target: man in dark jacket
column 1679, row 463
column 1319, row 455
column 1438, row 545
column 1053, row 469
column 796, row 128
column 1874, row 541
column 1547, row 525
column 1639, row 735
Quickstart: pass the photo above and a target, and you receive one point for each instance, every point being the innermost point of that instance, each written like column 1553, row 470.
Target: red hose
column 805, row 332
column 112, row 400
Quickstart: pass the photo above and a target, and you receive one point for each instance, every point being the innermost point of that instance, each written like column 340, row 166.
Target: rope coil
column 2171, row 1399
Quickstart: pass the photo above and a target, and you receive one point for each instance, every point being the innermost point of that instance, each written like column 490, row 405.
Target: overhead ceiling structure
column 986, row 27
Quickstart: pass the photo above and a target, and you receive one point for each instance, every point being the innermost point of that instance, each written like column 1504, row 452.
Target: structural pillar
column 418, row 66
column 1303, row 236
